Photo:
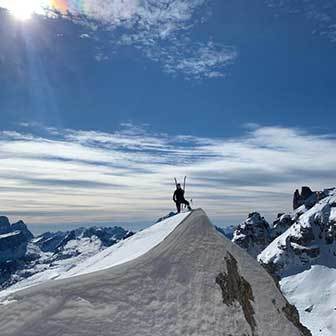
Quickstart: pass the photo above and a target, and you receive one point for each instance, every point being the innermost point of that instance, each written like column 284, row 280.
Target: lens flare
column 24, row 9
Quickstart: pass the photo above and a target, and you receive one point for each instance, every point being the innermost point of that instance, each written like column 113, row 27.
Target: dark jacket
column 178, row 195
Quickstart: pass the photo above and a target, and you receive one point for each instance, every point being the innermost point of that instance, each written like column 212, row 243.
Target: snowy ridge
column 91, row 259
column 194, row 282
column 128, row 249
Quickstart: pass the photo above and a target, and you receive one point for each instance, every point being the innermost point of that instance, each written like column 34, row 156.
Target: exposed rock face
column 13, row 246
column 307, row 197
column 281, row 224
column 293, row 316
column 310, row 240
column 13, row 240
column 4, row 225
column 236, row 288
column 253, row 235
column 21, row 226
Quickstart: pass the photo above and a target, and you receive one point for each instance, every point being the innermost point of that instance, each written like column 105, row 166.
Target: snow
column 278, row 253
column 128, row 249
column 10, row 234
column 316, row 289
column 170, row 290
column 91, row 261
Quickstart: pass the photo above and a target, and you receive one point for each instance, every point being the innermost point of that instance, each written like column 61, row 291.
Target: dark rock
column 235, row 288
column 13, row 246
column 253, row 235
column 293, row 315
column 4, row 225
column 281, row 224
column 297, row 200
column 21, row 226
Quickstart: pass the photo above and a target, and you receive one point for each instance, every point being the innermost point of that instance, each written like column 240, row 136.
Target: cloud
column 75, row 175
column 160, row 30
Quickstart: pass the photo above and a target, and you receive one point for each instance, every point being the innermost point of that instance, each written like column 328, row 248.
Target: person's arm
column 174, row 196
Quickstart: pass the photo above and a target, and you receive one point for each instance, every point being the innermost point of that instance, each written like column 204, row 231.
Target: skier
column 179, row 199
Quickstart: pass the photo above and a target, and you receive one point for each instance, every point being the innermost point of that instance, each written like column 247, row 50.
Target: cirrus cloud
column 90, row 176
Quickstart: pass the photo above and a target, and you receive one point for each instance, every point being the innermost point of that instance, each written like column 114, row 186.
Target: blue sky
column 103, row 102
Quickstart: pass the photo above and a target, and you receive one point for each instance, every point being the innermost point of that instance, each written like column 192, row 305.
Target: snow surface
column 10, row 234
column 315, row 290
column 117, row 254
column 171, row 290
column 128, row 249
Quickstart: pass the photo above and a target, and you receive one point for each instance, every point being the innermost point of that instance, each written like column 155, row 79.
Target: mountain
column 187, row 279
column 301, row 254
column 253, row 235
column 27, row 260
column 304, row 259
column 13, row 240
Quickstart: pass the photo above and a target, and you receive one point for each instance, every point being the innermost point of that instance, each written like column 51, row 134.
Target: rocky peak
column 4, row 225
column 21, row 226
column 253, row 235
column 307, row 197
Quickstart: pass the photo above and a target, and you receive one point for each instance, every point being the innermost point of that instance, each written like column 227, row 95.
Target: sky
column 104, row 102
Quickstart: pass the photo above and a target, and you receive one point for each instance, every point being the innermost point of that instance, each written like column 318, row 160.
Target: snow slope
column 128, row 249
column 195, row 282
column 89, row 260
column 313, row 292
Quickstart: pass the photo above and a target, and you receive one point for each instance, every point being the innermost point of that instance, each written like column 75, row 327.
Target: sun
column 23, row 10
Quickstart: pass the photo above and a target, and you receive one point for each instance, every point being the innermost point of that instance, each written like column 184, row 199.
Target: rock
column 4, row 225
column 297, row 201
column 281, row 224
column 308, row 197
column 253, row 235
column 13, row 246
column 21, row 226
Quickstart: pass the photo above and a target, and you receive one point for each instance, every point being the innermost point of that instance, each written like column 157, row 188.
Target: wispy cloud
column 161, row 30
column 71, row 176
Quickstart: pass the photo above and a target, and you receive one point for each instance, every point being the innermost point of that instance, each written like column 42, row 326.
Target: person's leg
column 187, row 204
column 178, row 207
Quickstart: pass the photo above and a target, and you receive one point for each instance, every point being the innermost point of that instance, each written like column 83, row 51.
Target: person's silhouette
column 179, row 199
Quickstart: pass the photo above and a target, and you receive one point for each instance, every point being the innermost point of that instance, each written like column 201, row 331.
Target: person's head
column 178, row 185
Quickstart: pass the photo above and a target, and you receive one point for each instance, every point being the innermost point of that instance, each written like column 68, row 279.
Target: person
column 179, row 199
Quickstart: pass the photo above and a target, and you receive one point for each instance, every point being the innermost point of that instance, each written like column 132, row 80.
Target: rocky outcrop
column 236, row 289
column 307, row 197
column 4, row 225
column 13, row 240
column 13, row 246
column 21, row 226
column 253, row 235
column 311, row 239
column 281, row 224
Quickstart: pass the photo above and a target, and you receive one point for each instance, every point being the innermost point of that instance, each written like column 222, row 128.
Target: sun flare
column 23, row 10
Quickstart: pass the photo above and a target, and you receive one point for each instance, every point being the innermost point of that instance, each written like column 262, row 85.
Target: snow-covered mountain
column 178, row 277
column 301, row 254
column 310, row 240
column 26, row 260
